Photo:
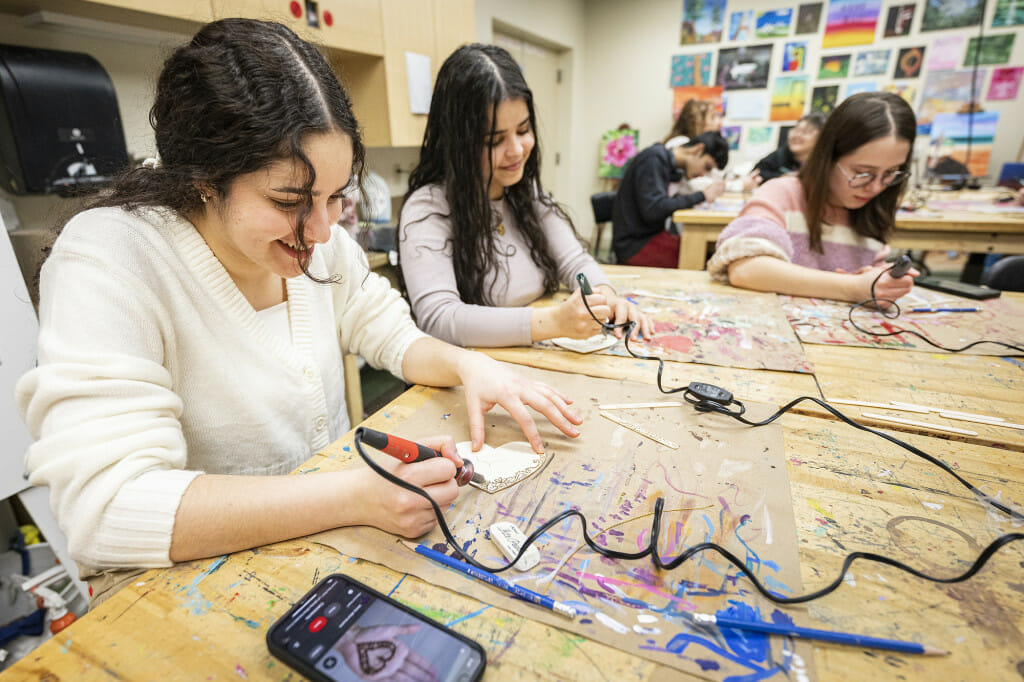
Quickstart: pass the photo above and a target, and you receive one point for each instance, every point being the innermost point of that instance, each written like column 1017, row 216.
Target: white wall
column 629, row 48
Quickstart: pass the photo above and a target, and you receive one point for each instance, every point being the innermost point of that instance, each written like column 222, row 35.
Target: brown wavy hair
column 690, row 121
column 860, row 119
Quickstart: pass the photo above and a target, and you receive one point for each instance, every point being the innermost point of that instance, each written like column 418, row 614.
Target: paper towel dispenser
column 60, row 128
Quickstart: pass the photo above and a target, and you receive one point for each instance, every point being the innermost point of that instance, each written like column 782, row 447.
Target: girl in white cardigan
column 192, row 326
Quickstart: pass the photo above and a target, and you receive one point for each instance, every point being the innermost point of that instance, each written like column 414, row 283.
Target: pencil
column 822, row 635
column 911, row 422
column 944, row 310
column 499, row 582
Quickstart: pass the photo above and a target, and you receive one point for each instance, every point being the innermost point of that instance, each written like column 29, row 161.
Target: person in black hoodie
column 643, row 205
column 794, row 151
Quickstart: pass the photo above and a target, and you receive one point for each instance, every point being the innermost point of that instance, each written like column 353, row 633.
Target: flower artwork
column 617, row 148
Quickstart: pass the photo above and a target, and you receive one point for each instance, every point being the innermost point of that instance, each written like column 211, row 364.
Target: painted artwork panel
column 950, row 133
column 617, row 148
column 733, row 490
column 940, row 15
column 871, row 63
column 851, row 22
column 732, row 136
column 909, row 61
column 945, row 53
column 946, row 92
column 808, row 18
column 908, row 91
column 741, row 26
column 898, row 21
column 760, row 140
column 746, row 105
column 773, row 23
column 680, row 96
column 789, row 95
column 1008, row 13
column 824, row 99
column 1005, row 83
column 691, row 69
column 834, row 66
column 994, row 49
column 744, row 68
column 794, row 56
column 826, row 322
column 854, row 88
column 702, row 21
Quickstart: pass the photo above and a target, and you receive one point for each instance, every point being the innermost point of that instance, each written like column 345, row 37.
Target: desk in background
column 851, row 491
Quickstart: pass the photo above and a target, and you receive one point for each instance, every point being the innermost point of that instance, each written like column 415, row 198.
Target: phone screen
column 346, row 631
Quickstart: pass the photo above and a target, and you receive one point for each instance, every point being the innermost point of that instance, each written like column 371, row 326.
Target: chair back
column 602, row 203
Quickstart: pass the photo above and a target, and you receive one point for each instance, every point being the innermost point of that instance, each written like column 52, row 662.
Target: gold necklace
column 501, row 229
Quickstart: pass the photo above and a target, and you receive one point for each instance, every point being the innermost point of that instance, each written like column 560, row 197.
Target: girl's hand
column 398, row 511
column 624, row 311
column 573, row 320
column 489, row 383
column 886, row 287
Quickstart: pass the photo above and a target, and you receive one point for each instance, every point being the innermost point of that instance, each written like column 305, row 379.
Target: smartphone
column 974, row 291
column 343, row 630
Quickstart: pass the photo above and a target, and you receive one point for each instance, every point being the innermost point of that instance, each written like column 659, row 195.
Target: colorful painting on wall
column 950, row 134
column 760, row 140
column 899, row 20
column 773, row 23
column 808, row 18
column 744, row 68
column 943, row 14
column 851, row 22
column 871, row 63
column 1005, row 83
column 691, row 69
column 1008, row 13
column 865, row 86
column 741, row 26
column 907, row 91
column 994, row 49
column 947, row 92
column 702, row 21
column 617, row 148
column 746, row 105
column 680, row 96
column 789, row 94
column 794, row 56
column 732, row 136
column 834, row 66
column 824, row 99
column 908, row 63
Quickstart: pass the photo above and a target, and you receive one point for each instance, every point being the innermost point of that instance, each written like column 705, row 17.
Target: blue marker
column 944, row 310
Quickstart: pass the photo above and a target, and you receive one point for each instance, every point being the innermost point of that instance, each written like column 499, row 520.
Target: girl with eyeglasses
column 823, row 233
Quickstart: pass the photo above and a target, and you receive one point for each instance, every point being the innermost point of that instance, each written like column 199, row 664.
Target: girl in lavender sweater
column 824, row 232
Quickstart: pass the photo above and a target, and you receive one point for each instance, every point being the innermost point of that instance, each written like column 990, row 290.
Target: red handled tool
column 408, row 451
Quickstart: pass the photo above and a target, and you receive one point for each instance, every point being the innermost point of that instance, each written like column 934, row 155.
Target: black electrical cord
column 894, row 312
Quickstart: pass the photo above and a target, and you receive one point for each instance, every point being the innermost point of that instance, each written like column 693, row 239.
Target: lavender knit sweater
column 772, row 223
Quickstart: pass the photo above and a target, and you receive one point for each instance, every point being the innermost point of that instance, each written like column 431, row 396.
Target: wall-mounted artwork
column 760, row 140
column 808, row 18
column 945, row 52
column 834, row 66
column 732, row 136
column 741, row 26
column 908, row 62
column 947, row 92
column 899, row 20
column 773, row 23
column 746, row 105
column 789, row 94
column 994, row 49
column 908, row 91
column 680, row 96
column 824, row 98
column 942, row 14
column 858, row 87
column 702, row 21
column 851, row 22
column 794, row 56
column 617, row 148
column 1005, row 83
column 951, row 132
column 1008, row 13
column 691, row 69
column 871, row 63
column 744, row 68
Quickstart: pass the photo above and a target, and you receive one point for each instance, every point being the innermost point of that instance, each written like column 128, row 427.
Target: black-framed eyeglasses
column 865, row 179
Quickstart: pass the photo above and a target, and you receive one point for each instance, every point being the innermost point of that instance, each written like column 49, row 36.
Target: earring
column 202, row 197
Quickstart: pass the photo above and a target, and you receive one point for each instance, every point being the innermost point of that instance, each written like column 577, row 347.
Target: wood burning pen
column 408, row 451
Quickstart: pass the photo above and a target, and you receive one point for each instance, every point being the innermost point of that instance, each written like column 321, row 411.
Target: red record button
column 296, row 9
column 328, row 17
column 317, row 624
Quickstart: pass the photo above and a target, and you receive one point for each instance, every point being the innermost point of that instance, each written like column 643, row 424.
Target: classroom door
column 541, row 67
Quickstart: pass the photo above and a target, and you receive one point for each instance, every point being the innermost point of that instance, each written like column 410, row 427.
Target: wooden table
column 963, row 231
column 208, row 619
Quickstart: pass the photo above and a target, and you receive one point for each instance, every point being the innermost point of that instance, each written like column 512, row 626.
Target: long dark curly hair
column 471, row 84
column 242, row 94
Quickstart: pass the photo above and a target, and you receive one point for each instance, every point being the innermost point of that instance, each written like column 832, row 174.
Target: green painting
column 994, row 49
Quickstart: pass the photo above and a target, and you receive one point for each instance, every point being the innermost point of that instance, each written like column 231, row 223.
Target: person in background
column 823, row 232
column 697, row 116
column 192, row 326
column 643, row 206
column 480, row 239
column 794, row 151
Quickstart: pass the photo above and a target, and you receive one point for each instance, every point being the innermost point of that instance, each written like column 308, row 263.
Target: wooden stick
column 982, row 417
column 920, row 407
column 630, row 406
column 863, row 403
column 911, row 422
column 641, row 430
column 964, row 418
